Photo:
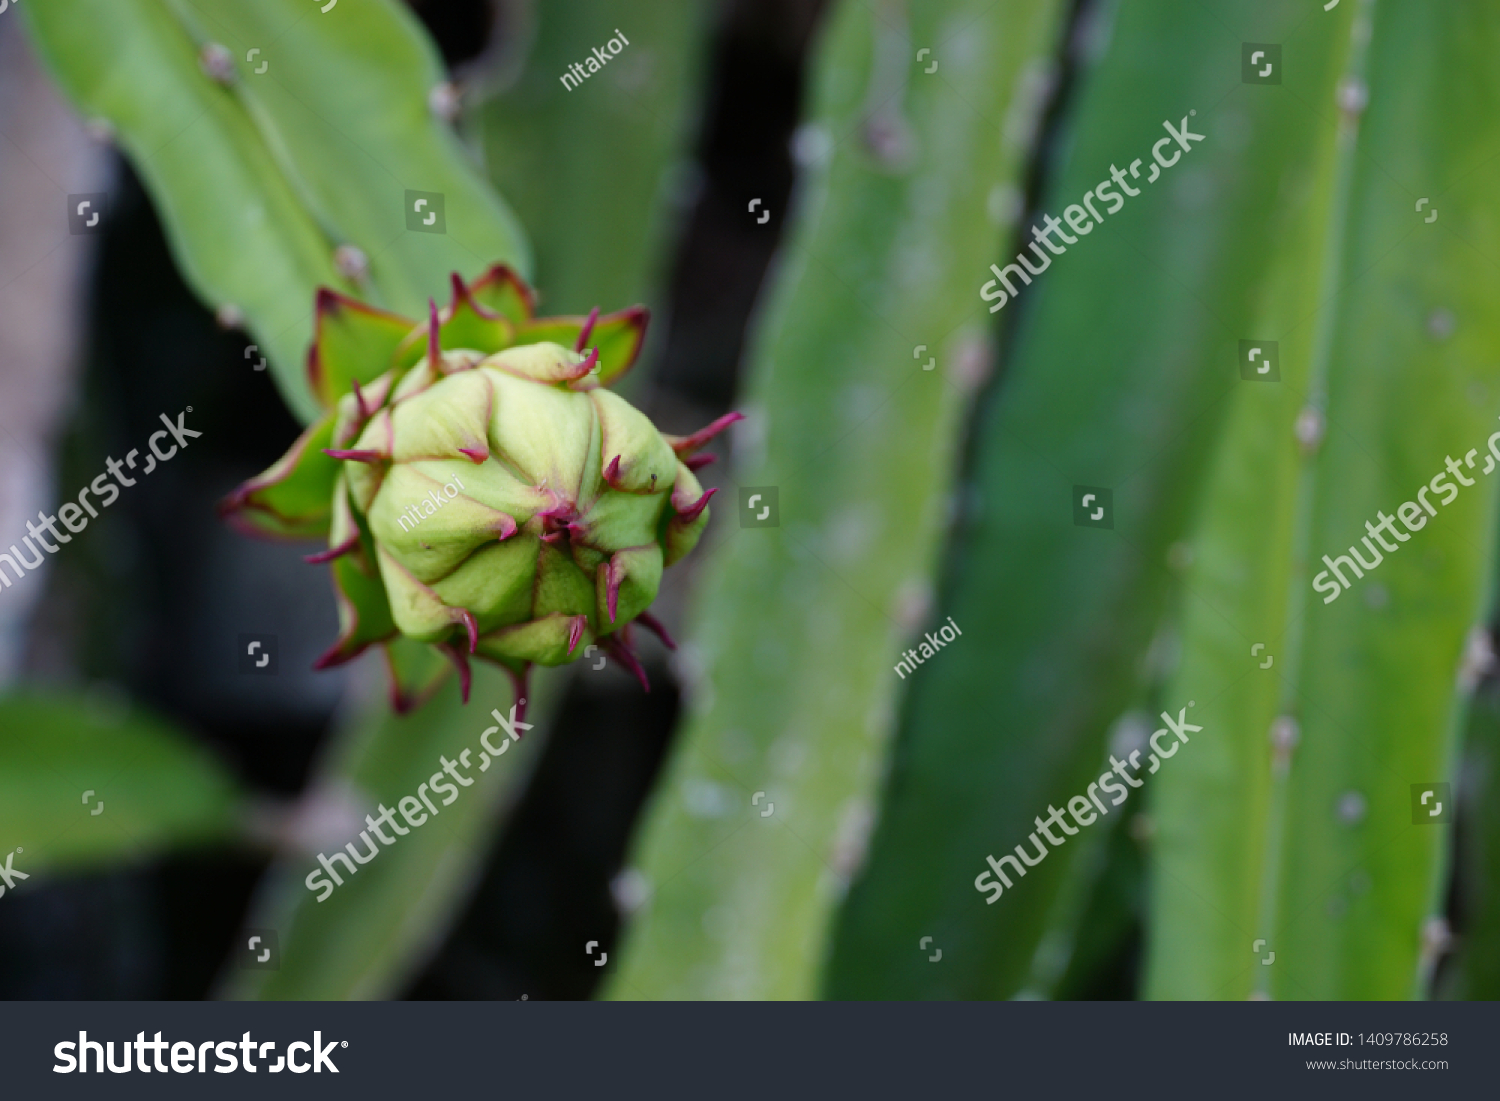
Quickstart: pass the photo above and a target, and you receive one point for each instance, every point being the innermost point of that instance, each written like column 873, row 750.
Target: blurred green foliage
column 798, row 626
column 591, row 170
column 94, row 781
column 365, row 939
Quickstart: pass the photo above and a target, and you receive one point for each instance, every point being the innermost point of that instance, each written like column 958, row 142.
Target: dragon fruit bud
column 479, row 489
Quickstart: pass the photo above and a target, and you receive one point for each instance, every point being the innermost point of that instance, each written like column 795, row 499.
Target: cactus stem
column 686, row 445
column 657, row 628
column 587, row 330
column 623, row 654
column 575, row 632
column 692, row 512
column 333, row 552
column 354, row 456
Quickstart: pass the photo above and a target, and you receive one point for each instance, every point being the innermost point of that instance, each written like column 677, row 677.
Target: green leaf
column 1124, row 354
column 373, row 932
column 590, row 170
column 352, row 342
column 91, row 781
column 364, row 608
column 416, row 670
column 293, row 499
column 798, row 626
column 501, row 291
column 1387, row 329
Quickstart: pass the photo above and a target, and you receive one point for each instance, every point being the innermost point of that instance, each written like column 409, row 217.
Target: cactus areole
column 479, row 488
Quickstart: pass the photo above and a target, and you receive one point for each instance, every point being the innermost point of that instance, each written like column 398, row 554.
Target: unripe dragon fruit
column 479, row 489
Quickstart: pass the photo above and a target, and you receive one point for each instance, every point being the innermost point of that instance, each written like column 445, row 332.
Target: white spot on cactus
column 1478, row 659
column 913, row 604
column 631, row 890
column 217, row 63
column 352, row 263
column 1004, row 205
column 1353, row 95
column 788, row 754
column 852, row 840
column 445, row 101
column 851, row 532
column 1309, row 428
column 323, row 819
column 704, row 798
column 811, row 145
column 1351, row 808
column 1129, row 734
column 1033, row 88
column 971, row 361
column 748, row 438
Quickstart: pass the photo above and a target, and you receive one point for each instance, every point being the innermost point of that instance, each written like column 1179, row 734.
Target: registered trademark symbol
column 346, row 1043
